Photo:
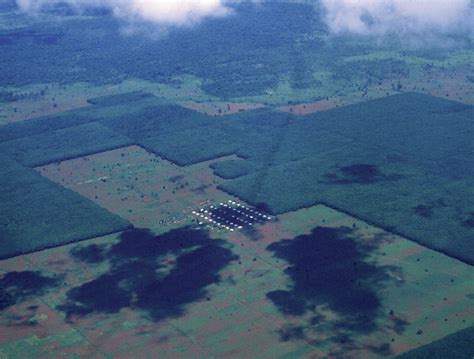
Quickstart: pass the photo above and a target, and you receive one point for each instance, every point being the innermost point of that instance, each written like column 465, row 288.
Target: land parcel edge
column 36, row 213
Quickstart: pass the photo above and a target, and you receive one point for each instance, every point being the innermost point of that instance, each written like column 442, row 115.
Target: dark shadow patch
column 398, row 325
column 364, row 172
column 263, row 207
column 177, row 178
column 202, row 189
column 289, row 332
column 252, row 233
column 426, row 210
column 16, row 287
column 382, row 350
column 159, row 275
column 329, row 268
column 90, row 254
column 103, row 295
column 360, row 173
column 423, row 211
column 469, row 222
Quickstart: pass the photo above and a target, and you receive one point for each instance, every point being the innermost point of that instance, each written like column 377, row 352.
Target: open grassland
column 302, row 65
column 297, row 285
column 220, row 108
column 122, row 138
column 313, row 282
column 32, row 101
column 138, row 186
column 402, row 162
column 283, row 287
column 457, row 345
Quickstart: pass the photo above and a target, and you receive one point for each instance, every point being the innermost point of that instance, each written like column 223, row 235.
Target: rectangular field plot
column 388, row 190
column 311, row 283
column 146, row 190
column 36, row 213
column 63, row 144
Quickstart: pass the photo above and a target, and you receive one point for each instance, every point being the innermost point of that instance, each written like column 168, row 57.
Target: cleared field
column 306, row 108
column 357, row 158
column 122, row 143
column 283, row 290
column 313, row 283
column 457, row 345
column 115, row 106
column 220, row 108
column 144, row 189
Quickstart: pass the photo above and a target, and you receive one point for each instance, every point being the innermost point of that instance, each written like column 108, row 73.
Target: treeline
column 390, row 161
column 237, row 56
column 63, row 144
column 108, row 107
column 457, row 345
column 37, row 213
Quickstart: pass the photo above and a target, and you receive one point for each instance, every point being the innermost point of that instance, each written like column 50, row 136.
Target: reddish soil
column 305, row 108
column 45, row 109
column 220, row 108
column 235, row 318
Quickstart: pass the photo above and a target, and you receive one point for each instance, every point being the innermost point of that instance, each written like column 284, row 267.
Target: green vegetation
column 233, row 57
column 155, row 120
column 115, row 100
column 229, row 72
column 37, row 214
column 457, row 345
column 404, row 163
column 413, row 126
column 203, row 143
column 7, row 97
column 63, row 144
column 263, row 137
column 401, row 162
column 234, row 168
column 394, row 195
column 110, row 108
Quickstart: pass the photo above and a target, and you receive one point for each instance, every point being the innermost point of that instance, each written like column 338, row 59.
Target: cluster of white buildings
column 230, row 216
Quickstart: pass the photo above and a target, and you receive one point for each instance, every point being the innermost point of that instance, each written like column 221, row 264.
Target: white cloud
column 161, row 12
column 409, row 18
column 415, row 17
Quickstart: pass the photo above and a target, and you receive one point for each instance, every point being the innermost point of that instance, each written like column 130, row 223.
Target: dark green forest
column 457, row 345
column 402, row 162
column 237, row 56
column 37, row 213
column 378, row 130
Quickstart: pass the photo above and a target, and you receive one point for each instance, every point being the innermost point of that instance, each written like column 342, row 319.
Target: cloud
column 160, row 12
column 403, row 17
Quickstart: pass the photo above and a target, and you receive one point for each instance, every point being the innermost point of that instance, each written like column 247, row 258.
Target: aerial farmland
column 236, row 179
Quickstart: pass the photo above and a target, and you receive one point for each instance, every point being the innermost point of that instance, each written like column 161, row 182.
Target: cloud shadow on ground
column 159, row 275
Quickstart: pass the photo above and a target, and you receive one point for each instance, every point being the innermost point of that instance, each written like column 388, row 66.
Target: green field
column 401, row 162
column 244, row 181
column 457, row 345
column 37, row 214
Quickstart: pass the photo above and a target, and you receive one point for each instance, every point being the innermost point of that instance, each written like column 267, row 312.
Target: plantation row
column 391, row 161
column 37, row 213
